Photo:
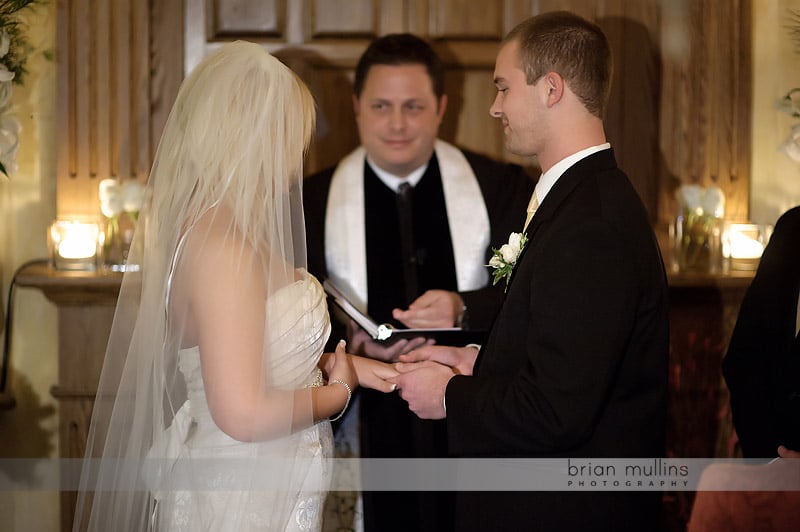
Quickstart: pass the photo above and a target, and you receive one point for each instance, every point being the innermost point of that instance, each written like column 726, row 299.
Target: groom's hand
column 422, row 385
column 461, row 359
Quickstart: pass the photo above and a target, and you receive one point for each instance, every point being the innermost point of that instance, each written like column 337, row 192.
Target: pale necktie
column 532, row 206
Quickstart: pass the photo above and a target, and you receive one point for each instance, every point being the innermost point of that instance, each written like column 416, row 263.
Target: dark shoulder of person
column 482, row 164
column 319, row 180
column 506, row 188
column 782, row 245
column 789, row 221
column 315, row 201
column 315, row 195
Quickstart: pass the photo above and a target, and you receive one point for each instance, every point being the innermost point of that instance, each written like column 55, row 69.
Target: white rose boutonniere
column 504, row 259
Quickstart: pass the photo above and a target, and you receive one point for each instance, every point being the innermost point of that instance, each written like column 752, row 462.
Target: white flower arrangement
column 13, row 49
column 701, row 201
column 117, row 199
column 504, row 259
column 790, row 103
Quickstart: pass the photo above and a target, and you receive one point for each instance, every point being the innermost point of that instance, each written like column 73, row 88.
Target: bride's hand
column 373, row 373
column 338, row 366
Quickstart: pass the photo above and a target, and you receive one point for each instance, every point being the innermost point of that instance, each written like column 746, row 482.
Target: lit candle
column 78, row 241
column 74, row 244
column 745, row 247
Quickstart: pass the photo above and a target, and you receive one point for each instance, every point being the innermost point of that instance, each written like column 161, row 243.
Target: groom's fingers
column 417, row 355
column 408, row 367
column 440, row 354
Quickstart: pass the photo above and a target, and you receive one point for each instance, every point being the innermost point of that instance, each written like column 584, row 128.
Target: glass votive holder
column 74, row 244
column 695, row 240
column 744, row 243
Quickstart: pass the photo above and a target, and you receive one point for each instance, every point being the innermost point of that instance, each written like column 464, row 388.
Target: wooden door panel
column 343, row 18
column 264, row 18
column 466, row 19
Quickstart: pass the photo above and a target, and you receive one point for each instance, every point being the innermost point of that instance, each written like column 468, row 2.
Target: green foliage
column 18, row 49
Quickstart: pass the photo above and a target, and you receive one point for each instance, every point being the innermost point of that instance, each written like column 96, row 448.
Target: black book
column 387, row 333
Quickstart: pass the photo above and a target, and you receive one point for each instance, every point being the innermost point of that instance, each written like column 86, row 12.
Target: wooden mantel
column 86, row 303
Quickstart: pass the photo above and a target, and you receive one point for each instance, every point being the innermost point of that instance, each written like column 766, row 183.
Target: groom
column 575, row 364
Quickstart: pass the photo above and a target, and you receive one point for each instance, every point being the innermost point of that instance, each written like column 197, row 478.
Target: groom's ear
column 554, row 87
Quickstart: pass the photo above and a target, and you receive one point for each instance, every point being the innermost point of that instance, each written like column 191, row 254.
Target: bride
column 212, row 407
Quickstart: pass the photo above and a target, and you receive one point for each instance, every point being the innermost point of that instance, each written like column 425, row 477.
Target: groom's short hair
column 575, row 48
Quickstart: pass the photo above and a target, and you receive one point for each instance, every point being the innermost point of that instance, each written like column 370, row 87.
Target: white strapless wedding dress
column 299, row 326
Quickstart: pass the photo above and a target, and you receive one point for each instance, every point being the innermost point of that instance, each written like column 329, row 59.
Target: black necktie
column 405, row 215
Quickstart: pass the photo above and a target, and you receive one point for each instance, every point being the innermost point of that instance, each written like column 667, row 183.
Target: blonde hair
column 236, row 136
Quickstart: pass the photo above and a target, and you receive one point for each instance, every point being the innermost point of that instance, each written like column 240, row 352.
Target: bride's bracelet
column 346, row 403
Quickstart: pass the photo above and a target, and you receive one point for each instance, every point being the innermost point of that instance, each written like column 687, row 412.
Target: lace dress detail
column 299, row 329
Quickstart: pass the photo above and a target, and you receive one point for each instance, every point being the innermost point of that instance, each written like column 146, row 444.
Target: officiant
column 404, row 225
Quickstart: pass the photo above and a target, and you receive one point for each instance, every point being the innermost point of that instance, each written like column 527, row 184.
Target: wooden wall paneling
column 467, row 122
column 515, row 11
column 418, row 13
column 741, row 59
column 393, row 17
column 196, row 36
column 72, row 111
column 103, row 111
column 343, row 18
column 101, row 92
column 465, row 19
column 247, row 17
column 64, row 149
column 141, row 156
column 166, row 63
column 674, row 131
column 700, row 138
column 589, row 9
column 705, row 102
column 733, row 84
column 243, row 17
column 336, row 133
column 633, row 111
column 121, row 89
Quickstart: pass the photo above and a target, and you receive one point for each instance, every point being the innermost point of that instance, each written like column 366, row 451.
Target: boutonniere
column 504, row 259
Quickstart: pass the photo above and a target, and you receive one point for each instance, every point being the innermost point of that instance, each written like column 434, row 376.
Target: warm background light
column 744, row 243
column 74, row 244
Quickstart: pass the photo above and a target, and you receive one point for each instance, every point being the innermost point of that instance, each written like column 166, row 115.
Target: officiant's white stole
column 345, row 239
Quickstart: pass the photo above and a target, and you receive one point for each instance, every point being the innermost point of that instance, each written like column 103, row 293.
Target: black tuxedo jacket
column 762, row 366
column 576, row 362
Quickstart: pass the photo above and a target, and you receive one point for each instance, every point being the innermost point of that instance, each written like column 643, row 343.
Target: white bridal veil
column 220, row 310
